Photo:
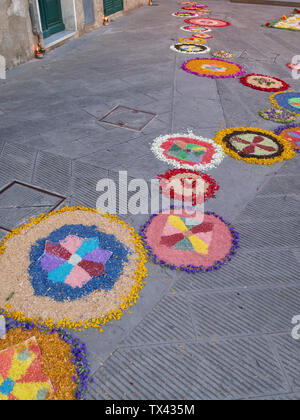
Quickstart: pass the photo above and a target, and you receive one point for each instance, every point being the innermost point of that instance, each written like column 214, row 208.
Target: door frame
column 56, row 27
column 68, row 9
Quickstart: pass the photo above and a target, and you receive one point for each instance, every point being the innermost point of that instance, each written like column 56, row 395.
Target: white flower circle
column 158, row 151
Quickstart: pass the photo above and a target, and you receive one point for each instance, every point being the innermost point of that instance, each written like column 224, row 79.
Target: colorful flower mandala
column 277, row 115
column 201, row 35
column 191, row 40
column 215, row 68
column 189, row 241
column 223, row 54
column 254, row 145
column 199, row 21
column 62, row 358
column 190, row 48
column 195, row 29
column 264, row 83
column 290, row 133
column 188, row 151
column 184, row 14
column 289, row 100
column 76, row 268
column 187, row 185
column 21, row 376
column 70, row 263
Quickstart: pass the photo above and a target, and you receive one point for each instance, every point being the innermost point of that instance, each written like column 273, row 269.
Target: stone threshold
column 58, row 38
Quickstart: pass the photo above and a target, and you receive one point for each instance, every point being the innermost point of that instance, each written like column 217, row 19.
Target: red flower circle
column 245, row 80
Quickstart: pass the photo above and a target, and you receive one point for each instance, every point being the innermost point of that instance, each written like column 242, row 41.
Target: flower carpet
column 76, row 268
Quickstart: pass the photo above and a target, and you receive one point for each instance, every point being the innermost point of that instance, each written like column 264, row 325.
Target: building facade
column 26, row 25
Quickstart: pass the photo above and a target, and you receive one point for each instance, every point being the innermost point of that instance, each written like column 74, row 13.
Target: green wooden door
column 51, row 17
column 112, row 6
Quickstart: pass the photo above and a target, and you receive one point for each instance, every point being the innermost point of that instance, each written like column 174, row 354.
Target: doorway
column 51, row 17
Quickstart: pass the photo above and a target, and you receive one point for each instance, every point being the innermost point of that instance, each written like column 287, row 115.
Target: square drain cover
column 19, row 202
column 122, row 116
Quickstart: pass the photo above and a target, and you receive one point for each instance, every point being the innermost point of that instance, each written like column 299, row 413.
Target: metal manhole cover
column 20, row 202
column 130, row 118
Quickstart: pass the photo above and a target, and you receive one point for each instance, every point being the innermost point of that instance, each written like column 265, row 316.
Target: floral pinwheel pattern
column 21, row 376
column 250, row 145
column 254, row 145
column 74, row 261
column 189, row 240
column 187, row 234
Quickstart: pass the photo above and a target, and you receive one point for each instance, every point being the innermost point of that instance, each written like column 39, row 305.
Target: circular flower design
column 199, row 21
column 264, row 83
column 289, row 100
column 254, row 145
column 21, row 373
column 187, row 185
column 191, row 40
column 290, row 133
column 190, row 48
column 277, row 115
column 202, row 35
column 76, row 268
column 184, row 14
column 70, row 263
column 63, row 359
column 189, row 241
column 213, row 67
column 188, row 151
column 195, row 29
column 223, row 54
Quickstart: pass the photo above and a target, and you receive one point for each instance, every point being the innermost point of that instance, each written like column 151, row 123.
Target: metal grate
column 130, row 118
column 20, row 202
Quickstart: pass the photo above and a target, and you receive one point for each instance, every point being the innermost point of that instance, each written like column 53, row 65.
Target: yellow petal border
column 288, row 152
column 140, row 274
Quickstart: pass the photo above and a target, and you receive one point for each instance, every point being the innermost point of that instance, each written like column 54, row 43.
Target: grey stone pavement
column 220, row 335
